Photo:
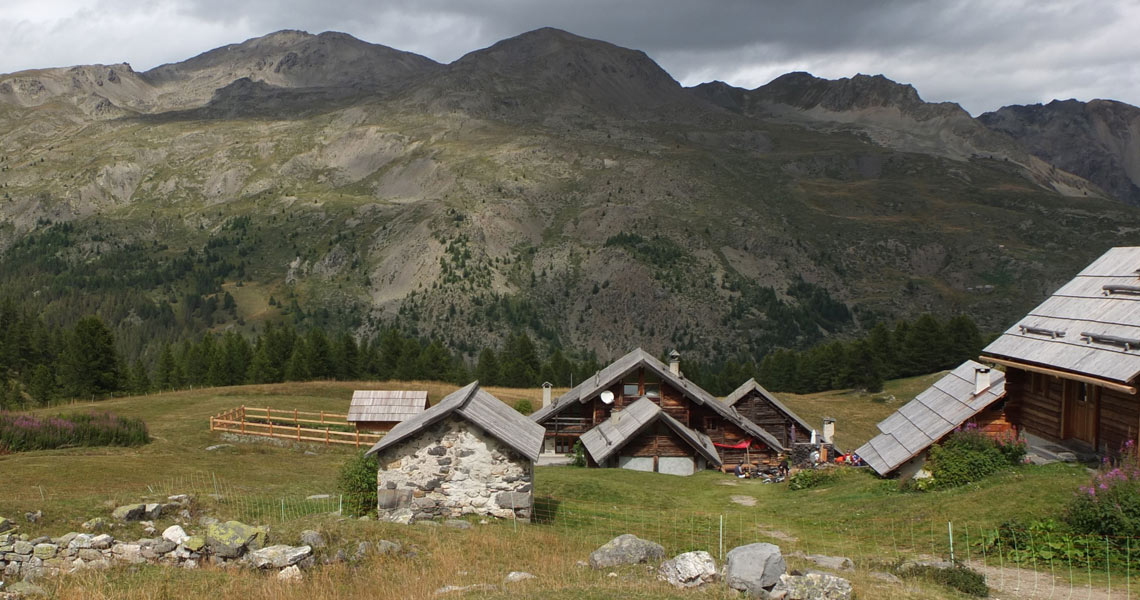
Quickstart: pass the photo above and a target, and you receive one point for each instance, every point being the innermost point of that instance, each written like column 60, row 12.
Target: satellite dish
column 608, row 397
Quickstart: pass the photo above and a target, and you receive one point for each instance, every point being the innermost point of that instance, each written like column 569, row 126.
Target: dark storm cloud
column 981, row 54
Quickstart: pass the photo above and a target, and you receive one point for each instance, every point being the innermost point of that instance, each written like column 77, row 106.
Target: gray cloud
column 982, row 54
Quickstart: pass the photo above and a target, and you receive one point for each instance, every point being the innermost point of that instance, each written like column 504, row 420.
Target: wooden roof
column 386, row 405
column 935, row 412
column 1102, row 300
column 590, row 388
column 752, row 385
column 623, row 426
column 480, row 408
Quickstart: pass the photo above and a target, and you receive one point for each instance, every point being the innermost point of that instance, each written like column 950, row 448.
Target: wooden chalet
column 644, row 437
column 971, row 393
column 639, row 375
column 758, row 405
column 381, row 410
column 1073, row 363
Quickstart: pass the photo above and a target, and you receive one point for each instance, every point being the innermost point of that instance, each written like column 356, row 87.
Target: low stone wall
column 453, row 469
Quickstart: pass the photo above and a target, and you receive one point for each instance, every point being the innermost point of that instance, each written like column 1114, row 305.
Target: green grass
column 855, row 515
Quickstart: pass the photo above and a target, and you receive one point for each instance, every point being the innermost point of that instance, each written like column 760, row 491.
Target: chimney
column 675, row 363
column 546, row 386
column 981, row 380
column 828, row 430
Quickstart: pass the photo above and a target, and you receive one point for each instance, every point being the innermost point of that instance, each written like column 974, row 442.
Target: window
column 564, row 444
column 653, row 390
column 1082, row 392
column 711, row 424
column 629, row 389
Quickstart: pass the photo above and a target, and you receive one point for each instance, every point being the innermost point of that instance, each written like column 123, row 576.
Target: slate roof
column 480, row 408
column 615, row 432
column 748, row 386
column 935, row 412
column 612, row 373
column 1103, row 299
column 386, row 405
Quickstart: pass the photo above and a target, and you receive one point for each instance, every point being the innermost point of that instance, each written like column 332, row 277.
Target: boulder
column 627, row 549
column 45, row 551
column 688, row 570
column 232, row 538
column 89, row 554
column 813, row 586
column 129, row 512
column 754, row 568
column 23, row 589
column 32, row 517
column 102, row 541
column 517, row 576
column 387, row 547
column 152, row 512
column 24, row 548
column 313, row 538
column 5, row 525
column 884, row 576
column 290, row 573
column 81, row 541
column 194, row 543
column 835, row 563
column 96, row 524
column 175, row 534
column 279, row 556
column 130, row 553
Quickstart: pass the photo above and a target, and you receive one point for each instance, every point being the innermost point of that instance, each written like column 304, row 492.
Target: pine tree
column 435, row 362
column 139, row 378
column 487, row 369
column 519, row 364
column 963, row 341
column 297, row 368
column 319, row 354
column 164, row 374
column 924, row 346
column 347, row 358
column 42, row 386
column 90, row 365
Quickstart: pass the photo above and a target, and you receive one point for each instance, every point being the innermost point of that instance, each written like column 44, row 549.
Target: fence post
column 950, row 531
column 358, row 438
column 296, row 419
column 298, row 432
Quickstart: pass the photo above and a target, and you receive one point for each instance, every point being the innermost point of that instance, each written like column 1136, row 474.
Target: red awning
column 738, row 446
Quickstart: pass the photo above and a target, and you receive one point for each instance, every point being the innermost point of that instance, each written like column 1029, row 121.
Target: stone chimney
column 675, row 363
column 981, row 380
column 828, row 430
column 546, row 387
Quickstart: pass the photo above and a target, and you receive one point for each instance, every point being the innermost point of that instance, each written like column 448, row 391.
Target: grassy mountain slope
column 549, row 182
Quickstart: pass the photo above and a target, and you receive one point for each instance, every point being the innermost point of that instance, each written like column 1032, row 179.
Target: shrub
column 19, row 433
column 966, row 456
column 1110, row 504
column 357, row 482
column 579, row 458
column 524, row 406
column 963, row 579
column 1013, row 447
column 809, row 478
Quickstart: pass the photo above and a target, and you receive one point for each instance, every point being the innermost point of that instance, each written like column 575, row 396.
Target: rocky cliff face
column 1098, row 140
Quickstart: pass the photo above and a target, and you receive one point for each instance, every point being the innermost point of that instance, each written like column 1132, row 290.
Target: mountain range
column 548, row 183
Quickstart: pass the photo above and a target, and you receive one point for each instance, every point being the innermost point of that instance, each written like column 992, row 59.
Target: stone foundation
column 453, row 469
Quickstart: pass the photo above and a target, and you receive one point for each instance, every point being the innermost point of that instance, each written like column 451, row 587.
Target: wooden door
column 1081, row 401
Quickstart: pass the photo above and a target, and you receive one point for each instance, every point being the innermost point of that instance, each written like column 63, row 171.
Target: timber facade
column 637, row 376
column 1073, row 363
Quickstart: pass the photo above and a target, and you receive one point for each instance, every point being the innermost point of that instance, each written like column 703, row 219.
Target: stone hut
column 469, row 454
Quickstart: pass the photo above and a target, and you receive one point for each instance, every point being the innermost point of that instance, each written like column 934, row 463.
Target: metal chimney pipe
column 981, row 380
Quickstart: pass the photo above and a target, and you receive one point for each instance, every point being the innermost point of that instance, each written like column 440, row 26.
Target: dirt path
column 1011, row 583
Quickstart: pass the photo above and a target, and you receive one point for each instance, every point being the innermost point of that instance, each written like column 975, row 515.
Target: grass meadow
column 855, row 515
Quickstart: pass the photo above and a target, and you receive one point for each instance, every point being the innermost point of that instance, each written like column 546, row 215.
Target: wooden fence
column 288, row 425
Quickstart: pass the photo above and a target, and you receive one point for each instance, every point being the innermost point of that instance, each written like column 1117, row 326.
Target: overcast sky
column 982, row 54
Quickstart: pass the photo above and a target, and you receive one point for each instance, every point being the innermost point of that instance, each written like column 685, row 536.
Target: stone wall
column 452, row 469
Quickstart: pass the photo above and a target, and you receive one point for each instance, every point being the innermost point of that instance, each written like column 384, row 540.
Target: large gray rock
column 23, row 589
column 835, row 563
column 813, row 586
column 80, row 541
column 279, row 556
column 45, row 551
column 102, row 541
column 130, row 512
column 627, row 549
column 152, row 511
column 24, row 548
column 313, row 538
column 5, row 525
column 232, row 538
column 688, row 570
column 754, row 568
column 175, row 534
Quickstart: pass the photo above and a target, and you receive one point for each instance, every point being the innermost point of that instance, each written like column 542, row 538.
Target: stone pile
column 222, row 543
column 758, row 570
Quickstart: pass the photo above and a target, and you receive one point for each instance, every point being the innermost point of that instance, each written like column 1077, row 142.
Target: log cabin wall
column 1119, row 419
column 756, row 408
column 1034, row 402
column 657, row 440
column 722, row 431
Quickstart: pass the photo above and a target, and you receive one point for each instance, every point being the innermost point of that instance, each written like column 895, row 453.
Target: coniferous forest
column 42, row 364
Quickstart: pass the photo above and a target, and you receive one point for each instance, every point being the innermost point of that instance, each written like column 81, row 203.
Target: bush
column 1013, row 447
column 1110, row 504
column 20, row 433
column 810, row 478
column 965, row 457
column 357, row 482
column 579, row 458
column 524, row 406
column 963, row 579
